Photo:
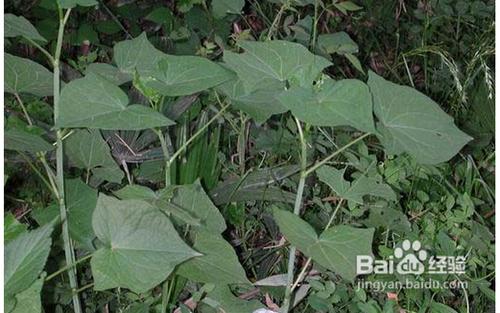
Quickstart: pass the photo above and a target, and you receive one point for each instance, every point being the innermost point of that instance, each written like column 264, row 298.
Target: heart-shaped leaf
column 137, row 54
column 86, row 149
column 263, row 63
column 20, row 140
column 343, row 103
column 95, row 102
column 357, row 189
column 19, row 26
column 411, row 122
column 141, row 246
column 185, row 75
column 25, row 76
column 25, row 258
column 336, row 248
column 218, row 264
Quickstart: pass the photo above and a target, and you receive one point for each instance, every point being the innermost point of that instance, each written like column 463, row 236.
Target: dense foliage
column 230, row 156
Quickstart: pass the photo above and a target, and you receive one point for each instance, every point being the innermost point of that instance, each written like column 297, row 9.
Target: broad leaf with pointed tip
column 141, row 246
column 263, row 63
column 336, row 248
column 185, row 75
column 218, row 264
column 159, row 199
column 95, row 102
column 25, row 258
column 86, row 149
column 19, row 26
column 137, row 54
column 29, row 300
column 259, row 104
column 25, row 76
column 354, row 191
column 110, row 72
column 21, row 140
column 338, row 103
column 193, row 199
column 412, row 122
column 80, row 204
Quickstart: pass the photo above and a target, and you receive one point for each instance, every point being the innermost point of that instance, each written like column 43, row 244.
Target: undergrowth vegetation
column 236, row 156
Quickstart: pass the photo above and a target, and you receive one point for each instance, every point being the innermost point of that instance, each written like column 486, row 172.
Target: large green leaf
column 219, row 263
column 141, row 246
column 339, row 43
column 412, row 122
column 259, row 104
column 264, row 63
column 25, row 76
column 86, row 149
column 21, row 140
column 80, row 202
column 185, row 75
column 354, row 191
column 336, row 248
column 29, row 300
column 110, row 72
column 193, row 199
column 95, row 102
column 159, row 199
column 25, row 258
column 19, row 26
column 338, row 103
column 137, row 54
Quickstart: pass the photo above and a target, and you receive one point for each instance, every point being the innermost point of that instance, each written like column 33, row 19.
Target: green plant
column 139, row 153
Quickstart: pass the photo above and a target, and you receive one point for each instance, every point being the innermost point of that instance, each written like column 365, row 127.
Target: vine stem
column 334, row 154
column 26, row 115
column 296, row 210
column 304, row 172
column 67, row 267
column 68, row 246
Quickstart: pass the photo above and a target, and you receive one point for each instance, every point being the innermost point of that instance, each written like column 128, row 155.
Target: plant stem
column 26, row 115
column 296, row 210
column 68, row 246
column 65, row 268
column 164, row 148
column 304, row 172
column 45, row 52
column 338, row 151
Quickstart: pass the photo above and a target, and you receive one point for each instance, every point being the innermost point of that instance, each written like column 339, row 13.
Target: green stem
column 337, row 152
column 45, row 52
column 26, row 115
column 304, row 172
column 164, row 148
column 68, row 246
column 33, row 167
column 67, row 267
column 296, row 210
